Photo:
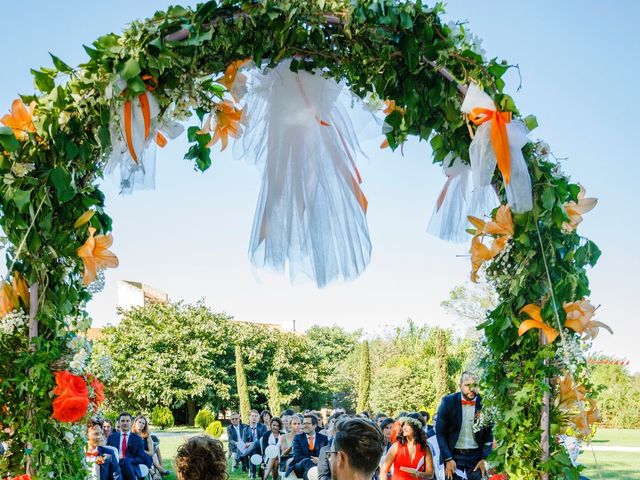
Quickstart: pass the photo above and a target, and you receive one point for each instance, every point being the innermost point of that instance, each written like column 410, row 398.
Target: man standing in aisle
column 464, row 442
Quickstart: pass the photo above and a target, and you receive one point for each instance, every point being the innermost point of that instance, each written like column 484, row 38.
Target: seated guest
column 286, row 445
column 306, row 447
column 356, row 449
column 130, row 447
column 103, row 461
column 234, row 434
column 272, row 438
column 324, row 469
column 201, row 458
column 265, row 418
column 251, row 436
column 107, row 428
column 141, row 427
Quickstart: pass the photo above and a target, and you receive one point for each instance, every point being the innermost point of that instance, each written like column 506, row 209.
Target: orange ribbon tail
column 499, row 136
column 127, row 129
column 146, row 114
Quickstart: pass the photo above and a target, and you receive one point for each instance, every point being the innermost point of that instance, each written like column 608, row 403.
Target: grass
column 605, row 465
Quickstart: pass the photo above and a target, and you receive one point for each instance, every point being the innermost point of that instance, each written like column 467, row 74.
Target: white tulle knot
column 482, row 152
column 458, row 199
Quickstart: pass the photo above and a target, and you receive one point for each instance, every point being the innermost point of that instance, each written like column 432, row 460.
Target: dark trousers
column 466, row 460
column 126, row 469
column 302, row 468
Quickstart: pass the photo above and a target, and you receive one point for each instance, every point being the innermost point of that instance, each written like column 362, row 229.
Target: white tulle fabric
column 311, row 214
column 483, row 158
column 139, row 173
column 457, row 200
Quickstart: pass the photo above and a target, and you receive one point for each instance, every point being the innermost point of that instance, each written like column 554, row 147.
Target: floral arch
column 129, row 93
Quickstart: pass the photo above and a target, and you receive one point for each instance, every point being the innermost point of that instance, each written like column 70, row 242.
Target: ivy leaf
column 531, row 122
column 548, row 198
column 60, row 65
column 589, row 253
column 8, row 140
column 22, row 199
column 63, row 184
column 43, row 81
column 130, row 69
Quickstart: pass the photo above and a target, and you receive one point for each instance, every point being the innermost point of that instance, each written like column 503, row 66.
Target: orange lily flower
column 570, row 393
column 21, row 288
column 576, row 210
column 227, row 124
column 96, row 255
column 20, row 120
column 480, row 253
column 390, row 107
column 8, row 299
column 501, row 226
column 583, row 422
column 84, row 218
column 579, row 319
column 230, row 74
column 536, row 321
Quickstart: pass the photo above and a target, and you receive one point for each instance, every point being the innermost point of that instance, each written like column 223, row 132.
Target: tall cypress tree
column 365, row 378
column 442, row 368
column 275, row 400
column 243, row 389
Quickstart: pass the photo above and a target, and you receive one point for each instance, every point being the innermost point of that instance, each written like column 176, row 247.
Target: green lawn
column 605, row 465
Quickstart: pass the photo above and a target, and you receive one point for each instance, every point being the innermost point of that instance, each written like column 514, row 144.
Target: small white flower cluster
column 373, row 102
column 13, row 322
column 464, row 38
column 98, row 284
column 571, row 353
column 22, row 169
column 80, row 350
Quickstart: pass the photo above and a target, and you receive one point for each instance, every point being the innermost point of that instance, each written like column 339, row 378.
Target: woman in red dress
column 410, row 454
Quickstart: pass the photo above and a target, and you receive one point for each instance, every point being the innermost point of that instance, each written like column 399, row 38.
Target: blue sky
column 189, row 237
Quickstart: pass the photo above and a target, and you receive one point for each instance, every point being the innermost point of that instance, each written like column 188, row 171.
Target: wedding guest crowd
column 128, row 452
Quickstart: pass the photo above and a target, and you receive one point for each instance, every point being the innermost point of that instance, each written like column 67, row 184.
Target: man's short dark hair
column 361, row 441
column 288, row 411
column 124, row 414
column 314, row 419
column 425, row 415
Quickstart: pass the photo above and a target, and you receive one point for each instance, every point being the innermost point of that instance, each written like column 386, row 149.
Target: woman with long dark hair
column 410, row 454
column 272, row 438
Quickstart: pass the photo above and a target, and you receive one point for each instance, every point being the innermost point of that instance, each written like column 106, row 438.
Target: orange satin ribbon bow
column 499, row 137
column 151, row 84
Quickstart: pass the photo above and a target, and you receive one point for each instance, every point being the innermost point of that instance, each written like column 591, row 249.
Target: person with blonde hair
column 141, row 427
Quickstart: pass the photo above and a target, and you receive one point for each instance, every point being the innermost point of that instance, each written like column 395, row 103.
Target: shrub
column 204, row 418
column 215, row 429
column 161, row 417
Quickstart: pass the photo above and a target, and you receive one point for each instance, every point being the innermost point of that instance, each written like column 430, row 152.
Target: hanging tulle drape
column 311, row 212
column 457, row 200
column 498, row 142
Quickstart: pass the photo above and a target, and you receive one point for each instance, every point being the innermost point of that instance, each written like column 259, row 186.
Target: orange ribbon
column 151, row 84
column 499, row 137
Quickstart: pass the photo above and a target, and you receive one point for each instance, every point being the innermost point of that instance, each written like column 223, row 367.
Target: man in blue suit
column 252, row 434
column 461, row 448
column 306, row 447
column 235, row 433
column 108, row 468
column 130, row 447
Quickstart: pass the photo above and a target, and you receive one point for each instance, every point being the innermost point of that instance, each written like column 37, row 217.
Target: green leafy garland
column 396, row 51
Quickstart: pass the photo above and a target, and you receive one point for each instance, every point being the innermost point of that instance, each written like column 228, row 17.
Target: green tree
column 365, row 378
column 442, row 370
column 275, row 402
column 243, row 391
column 336, row 366
column 170, row 354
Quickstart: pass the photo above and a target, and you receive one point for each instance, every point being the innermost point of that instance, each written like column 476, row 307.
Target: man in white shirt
column 464, row 446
